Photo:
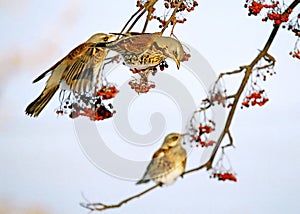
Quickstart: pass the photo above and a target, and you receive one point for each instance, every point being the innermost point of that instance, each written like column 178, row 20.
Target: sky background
column 42, row 164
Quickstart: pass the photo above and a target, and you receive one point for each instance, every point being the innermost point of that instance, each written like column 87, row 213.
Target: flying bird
column 78, row 71
column 144, row 50
column 168, row 162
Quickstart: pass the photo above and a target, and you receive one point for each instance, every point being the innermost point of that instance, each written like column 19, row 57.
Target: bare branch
column 231, row 72
column 135, row 21
column 127, row 23
column 100, row 206
column 230, row 141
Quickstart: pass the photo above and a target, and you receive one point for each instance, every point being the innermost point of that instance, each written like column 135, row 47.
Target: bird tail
column 35, row 108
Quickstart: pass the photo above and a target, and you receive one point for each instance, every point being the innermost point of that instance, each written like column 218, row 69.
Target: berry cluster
column 294, row 25
column 107, row 92
column 204, row 130
column 255, row 7
column 261, row 74
column 163, row 20
column 274, row 11
column 224, row 176
column 277, row 18
column 95, row 114
column 254, row 94
column 217, row 94
column 295, row 54
column 90, row 105
column 141, row 85
column 186, row 6
column 218, row 97
column 221, row 172
column 255, row 98
column 162, row 65
column 186, row 57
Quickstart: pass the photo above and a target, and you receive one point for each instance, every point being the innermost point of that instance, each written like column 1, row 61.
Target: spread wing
column 85, row 63
column 80, row 68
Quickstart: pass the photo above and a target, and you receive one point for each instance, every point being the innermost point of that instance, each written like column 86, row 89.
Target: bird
column 143, row 50
column 78, row 71
column 168, row 162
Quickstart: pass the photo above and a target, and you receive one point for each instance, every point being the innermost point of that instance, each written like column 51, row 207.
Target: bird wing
column 160, row 164
column 132, row 44
column 74, row 53
column 85, row 63
column 152, row 166
column 159, row 153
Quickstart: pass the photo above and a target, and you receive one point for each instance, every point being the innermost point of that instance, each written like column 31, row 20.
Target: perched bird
column 77, row 71
column 141, row 51
column 167, row 163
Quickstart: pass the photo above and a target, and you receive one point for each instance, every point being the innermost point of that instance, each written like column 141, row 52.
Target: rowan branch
column 226, row 131
column 101, row 206
column 230, row 73
column 249, row 69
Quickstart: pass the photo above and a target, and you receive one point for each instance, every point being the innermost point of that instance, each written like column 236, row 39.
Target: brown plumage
column 168, row 162
column 77, row 71
column 141, row 51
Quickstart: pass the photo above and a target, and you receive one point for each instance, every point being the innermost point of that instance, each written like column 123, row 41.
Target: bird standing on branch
column 77, row 70
column 141, row 51
column 168, row 162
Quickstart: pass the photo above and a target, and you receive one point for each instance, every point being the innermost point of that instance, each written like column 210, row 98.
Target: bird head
column 172, row 140
column 173, row 49
column 100, row 37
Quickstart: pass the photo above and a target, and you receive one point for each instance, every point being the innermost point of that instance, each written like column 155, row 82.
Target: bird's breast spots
column 144, row 59
column 130, row 59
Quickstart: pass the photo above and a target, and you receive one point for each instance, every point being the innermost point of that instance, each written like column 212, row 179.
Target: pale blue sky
column 42, row 162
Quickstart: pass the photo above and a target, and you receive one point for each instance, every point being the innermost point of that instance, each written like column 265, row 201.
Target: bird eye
column 105, row 39
column 175, row 138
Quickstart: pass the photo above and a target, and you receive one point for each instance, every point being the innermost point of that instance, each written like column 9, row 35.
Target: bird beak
column 185, row 134
column 177, row 63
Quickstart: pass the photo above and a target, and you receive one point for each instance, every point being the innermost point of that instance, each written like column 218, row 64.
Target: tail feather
column 35, row 108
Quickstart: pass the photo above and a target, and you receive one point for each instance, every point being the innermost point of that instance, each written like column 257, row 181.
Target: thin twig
column 149, row 5
column 230, row 97
column 101, row 206
column 129, row 21
column 231, row 72
column 195, row 169
column 135, row 21
column 230, row 141
column 172, row 16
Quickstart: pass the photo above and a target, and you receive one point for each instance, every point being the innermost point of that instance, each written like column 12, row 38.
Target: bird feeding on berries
column 143, row 50
column 168, row 162
column 78, row 71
